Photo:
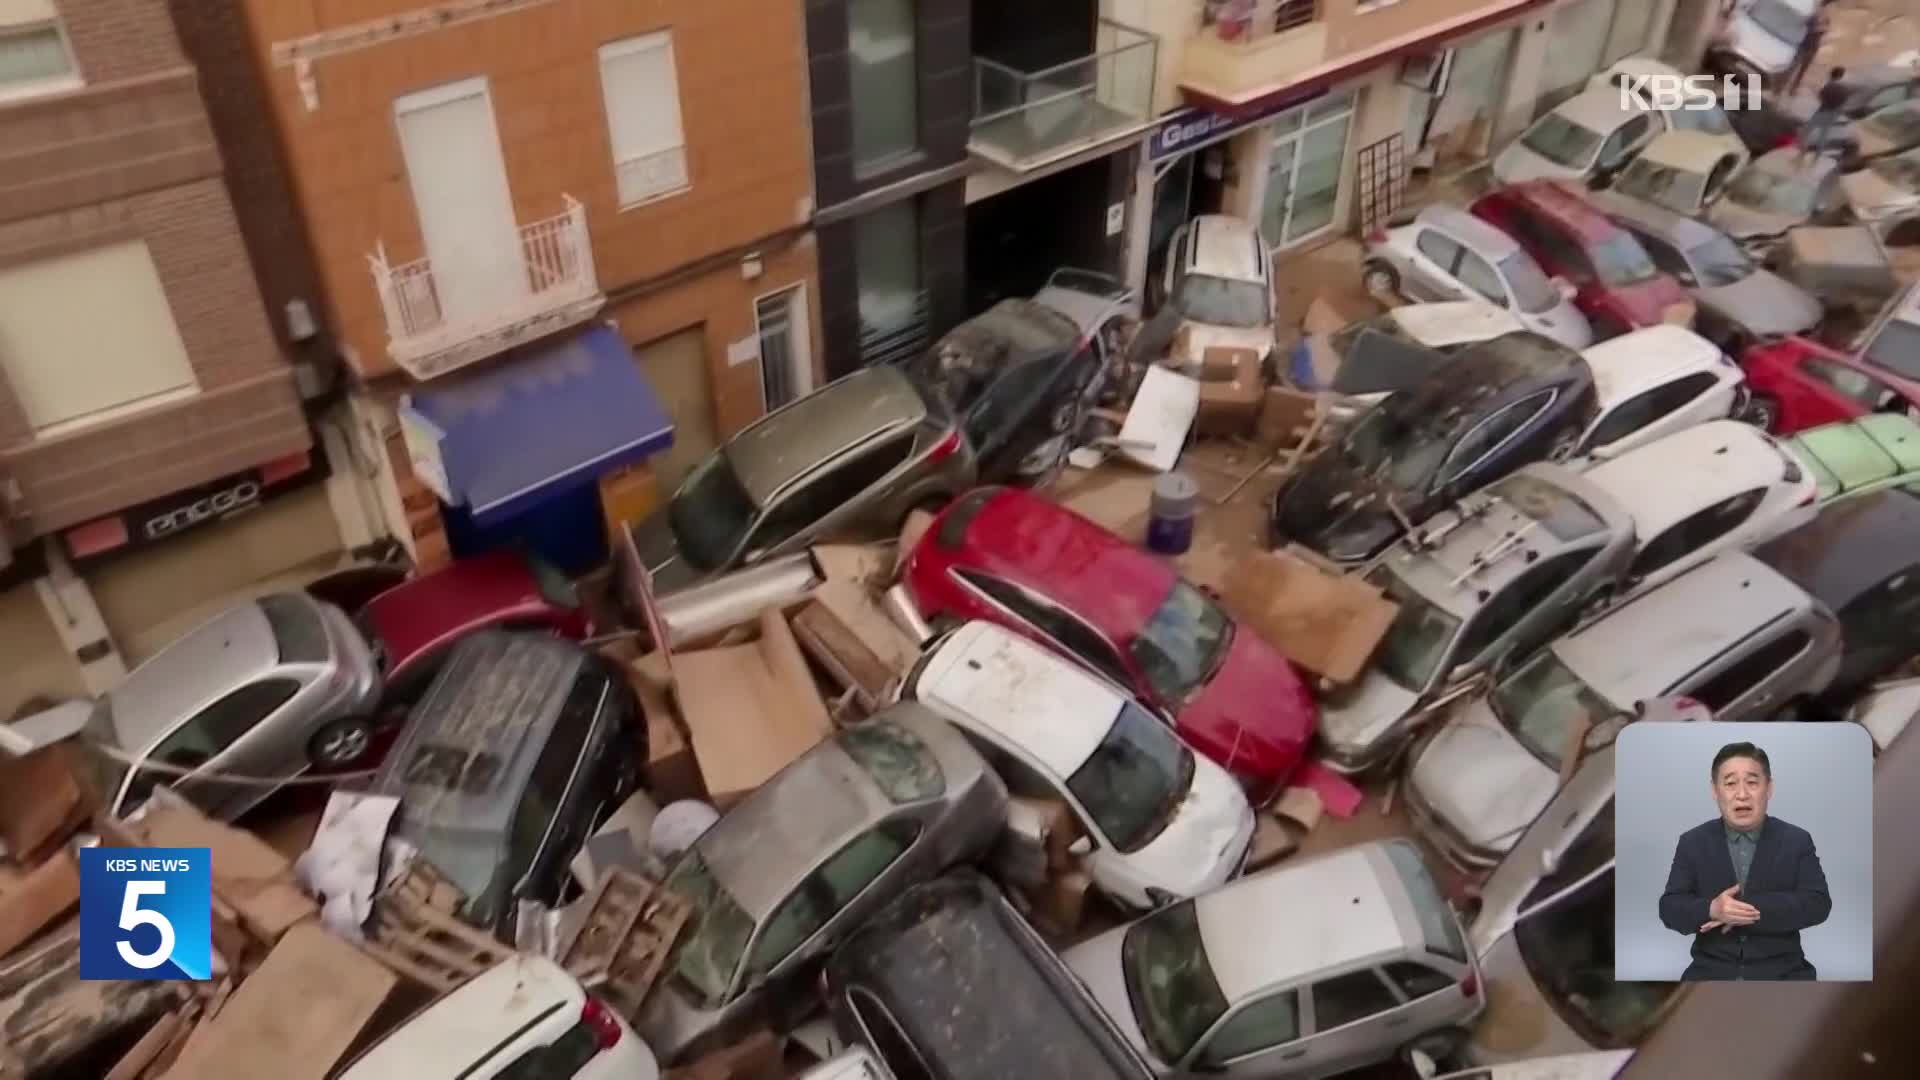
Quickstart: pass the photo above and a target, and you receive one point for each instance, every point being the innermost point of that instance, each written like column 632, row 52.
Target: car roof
column 1453, row 322
column 1565, row 204
column 421, row 610
column 1684, row 232
column 1790, row 161
column 232, row 648
column 1646, row 645
column 793, row 439
column 1225, row 246
column 1681, row 148
column 1849, row 547
column 494, row 1007
column 1597, row 109
column 1336, row 910
column 1475, row 232
column 1676, row 475
column 1647, row 357
column 992, row 678
column 1855, row 453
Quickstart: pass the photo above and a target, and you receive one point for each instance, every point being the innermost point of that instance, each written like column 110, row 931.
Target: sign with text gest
column 146, row 913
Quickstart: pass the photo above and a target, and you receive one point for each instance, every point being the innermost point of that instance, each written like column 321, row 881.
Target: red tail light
column 1791, row 138
column 606, row 1026
column 1470, row 985
column 944, row 449
column 1377, row 235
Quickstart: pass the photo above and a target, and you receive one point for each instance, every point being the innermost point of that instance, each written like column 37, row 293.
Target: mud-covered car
column 1496, row 406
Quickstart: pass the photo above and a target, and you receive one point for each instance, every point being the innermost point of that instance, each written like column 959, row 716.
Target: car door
column 1481, row 455
column 1753, row 678
column 1856, row 385
column 1620, row 146
column 1674, row 406
column 1357, row 1019
column 562, row 802
column 831, row 498
column 1693, row 539
column 1480, row 278
column 1805, row 401
column 1434, row 257
column 1259, row 1038
column 1429, row 996
column 235, row 734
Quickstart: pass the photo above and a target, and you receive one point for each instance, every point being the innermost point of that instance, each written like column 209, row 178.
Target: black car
column 1859, row 558
column 1022, row 424
column 950, row 983
column 521, row 747
column 1781, row 116
column 1496, row 406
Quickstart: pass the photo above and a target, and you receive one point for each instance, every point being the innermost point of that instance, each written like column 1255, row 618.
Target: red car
column 412, row 624
column 1014, row 558
column 1618, row 287
column 1798, row 384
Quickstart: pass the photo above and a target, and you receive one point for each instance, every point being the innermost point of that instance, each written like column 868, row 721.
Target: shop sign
column 1191, row 128
column 171, row 515
column 236, row 495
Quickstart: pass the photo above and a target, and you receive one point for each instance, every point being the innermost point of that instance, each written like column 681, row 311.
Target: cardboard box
column 627, row 496
column 1271, row 843
column 44, row 802
column 671, row 772
column 749, row 709
column 1327, row 623
column 1229, row 405
column 1286, row 415
column 1059, row 906
column 40, row 896
column 1336, row 308
column 248, row 874
column 1225, row 363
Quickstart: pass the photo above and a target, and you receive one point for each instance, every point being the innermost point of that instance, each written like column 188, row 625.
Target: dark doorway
column 1018, row 237
column 1028, row 37
column 1189, row 185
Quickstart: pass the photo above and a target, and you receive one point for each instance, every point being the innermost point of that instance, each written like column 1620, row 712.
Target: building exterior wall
column 129, row 155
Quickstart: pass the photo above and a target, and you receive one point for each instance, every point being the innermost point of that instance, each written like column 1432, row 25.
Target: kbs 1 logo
column 1697, row 93
column 146, row 913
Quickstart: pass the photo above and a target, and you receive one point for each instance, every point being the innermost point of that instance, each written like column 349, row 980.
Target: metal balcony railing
column 1022, row 119
column 1251, row 20
column 440, row 321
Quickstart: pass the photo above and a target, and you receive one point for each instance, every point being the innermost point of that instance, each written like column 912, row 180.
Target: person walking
column 1826, row 113
column 1807, row 50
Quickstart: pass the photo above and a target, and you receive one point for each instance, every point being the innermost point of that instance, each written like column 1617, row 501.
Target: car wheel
column 1379, row 279
column 1439, row 1047
column 1762, row 412
column 340, row 742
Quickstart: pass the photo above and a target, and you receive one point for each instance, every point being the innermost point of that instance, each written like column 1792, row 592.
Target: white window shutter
column 642, row 95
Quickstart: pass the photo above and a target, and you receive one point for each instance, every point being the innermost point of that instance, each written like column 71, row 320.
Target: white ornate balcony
column 439, row 322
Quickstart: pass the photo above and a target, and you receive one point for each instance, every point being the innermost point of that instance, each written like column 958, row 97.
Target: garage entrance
column 676, row 365
column 1018, row 237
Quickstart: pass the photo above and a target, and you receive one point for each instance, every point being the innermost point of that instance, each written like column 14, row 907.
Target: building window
column 69, row 367
column 786, row 361
column 1303, row 174
column 893, row 307
column 884, row 82
column 34, row 58
column 643, row 117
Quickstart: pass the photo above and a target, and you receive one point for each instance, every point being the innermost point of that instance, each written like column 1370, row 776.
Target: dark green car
column 1854, row 457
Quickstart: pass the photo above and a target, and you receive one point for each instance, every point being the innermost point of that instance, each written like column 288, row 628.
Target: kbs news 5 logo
column 146, row 913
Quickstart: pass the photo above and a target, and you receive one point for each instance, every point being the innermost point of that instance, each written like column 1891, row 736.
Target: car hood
column 1480, row 781
column 1745, row 223
column 1748, row 41
column 1364, row 713
column 1517, row 164
column 1869, row 194
column 1258, row 705
column 1199, row 337
column 1765, row 303
column 1096, row 962
column 660, row 552
column 1201, row 846
column 1564, row 323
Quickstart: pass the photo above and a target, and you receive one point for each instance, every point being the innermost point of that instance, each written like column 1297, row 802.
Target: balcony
column 1246, row 48
column 1023, row 120
column 441, row 319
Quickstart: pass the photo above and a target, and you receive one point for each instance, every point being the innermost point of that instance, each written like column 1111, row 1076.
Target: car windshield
column 1712, row 120
column 710, row 951
column 1170, row 984
column 1135, row 779
column 1896, row 348
column 1541, row 704
column 1779, row 20
column 1396, row 446
column 1902, row 172
column 1567, row 948
column 1219, row 301
column 711, row 513
column 1558, row 510
column 1531, row 288
column 1562, row 141
column 1676, row 189
column 1900, row 124
column 1771, row 193
column 1621, row 261
column 1417, row 639
column 1718, row 262
column 1182, row 643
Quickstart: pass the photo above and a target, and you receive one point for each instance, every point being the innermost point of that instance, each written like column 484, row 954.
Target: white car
column 1762, row 36
column 525, row 1017
column 1699, row 116
column 1885, row 196
column 1719, row 486
column 1162, row 822
column 853, row 1063
column 1591, row 134
column 1655, row 381
column 1446, row 253
column 1683, row 171
column 1591, row 1065
column 1220, row 277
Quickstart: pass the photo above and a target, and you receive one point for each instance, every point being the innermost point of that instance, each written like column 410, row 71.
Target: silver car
column 1592, row 134
column 1311, row 968
column 1732, row 634
column 269, row 689
column 1885, row 197
column 1499, row 574
column 779, row 880
column 1775, row 192
column 1446, row 253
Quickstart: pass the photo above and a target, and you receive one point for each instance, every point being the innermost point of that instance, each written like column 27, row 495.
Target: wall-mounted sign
column 422, row 438
column 173, row 514
column 1190, row 129
column 1116, row 218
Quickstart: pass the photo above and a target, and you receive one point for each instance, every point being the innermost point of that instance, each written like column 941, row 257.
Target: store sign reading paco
column 218, row 504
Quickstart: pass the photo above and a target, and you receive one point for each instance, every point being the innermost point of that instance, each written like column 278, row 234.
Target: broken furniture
column 625, row 938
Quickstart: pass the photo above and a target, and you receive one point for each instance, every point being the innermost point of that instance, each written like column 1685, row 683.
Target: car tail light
column 1376, row 235
column 1791, row 138
column 601, row 1020
column 1470, row 985
column 944, row 449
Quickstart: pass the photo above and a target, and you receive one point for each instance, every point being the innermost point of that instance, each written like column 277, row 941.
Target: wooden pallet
column 413, row 935
column 621, row 945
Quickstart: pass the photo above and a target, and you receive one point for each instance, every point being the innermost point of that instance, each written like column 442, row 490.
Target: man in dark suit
column 1745, row 884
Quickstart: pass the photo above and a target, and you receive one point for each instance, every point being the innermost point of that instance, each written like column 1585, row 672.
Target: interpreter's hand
column 1731, row 912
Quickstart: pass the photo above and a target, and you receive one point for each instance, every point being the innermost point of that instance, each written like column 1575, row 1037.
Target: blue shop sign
column 1191, row 128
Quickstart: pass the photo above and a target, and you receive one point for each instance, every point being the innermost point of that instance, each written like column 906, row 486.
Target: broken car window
column 1169, row 982
column 710, row 950
column 1568, row 949
column 1134, row 780
column 711, row 512
column 1543, row 703
column 1182, row 642
column 1417, row 639
column 897, row 760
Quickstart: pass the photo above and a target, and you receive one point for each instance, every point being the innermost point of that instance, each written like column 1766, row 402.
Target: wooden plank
column 848, row 659
column 144, row 1052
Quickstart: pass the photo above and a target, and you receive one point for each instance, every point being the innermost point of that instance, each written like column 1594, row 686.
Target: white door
column 461, row 198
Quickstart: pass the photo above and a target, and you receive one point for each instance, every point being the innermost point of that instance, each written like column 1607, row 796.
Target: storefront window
column 1303, row 171
column 880, row 63
column 886, row 259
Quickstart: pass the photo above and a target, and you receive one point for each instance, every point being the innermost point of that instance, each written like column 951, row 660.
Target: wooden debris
column 44, row 894
column 757, row 1057
column 430, row 946
column 629, row 929
column 45, row 802
column 847, row 659
column 143, row 1054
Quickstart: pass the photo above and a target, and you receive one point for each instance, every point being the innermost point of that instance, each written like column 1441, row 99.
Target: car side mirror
column 1565, row 288
column 1081, row 847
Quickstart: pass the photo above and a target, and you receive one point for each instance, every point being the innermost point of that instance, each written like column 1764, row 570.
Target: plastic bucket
column 1170, row 513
